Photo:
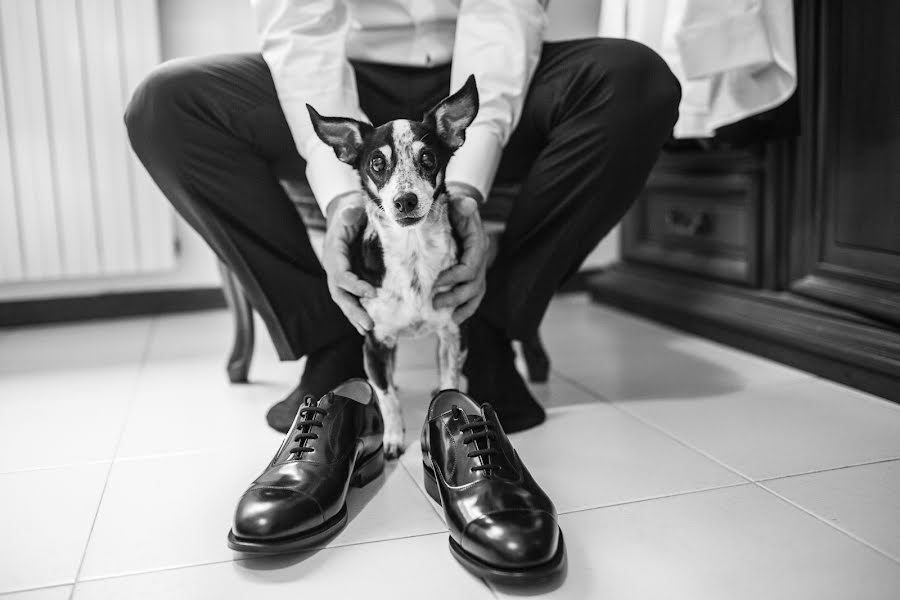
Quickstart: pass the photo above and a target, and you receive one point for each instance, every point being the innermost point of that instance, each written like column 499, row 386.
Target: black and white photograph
column 442, row 299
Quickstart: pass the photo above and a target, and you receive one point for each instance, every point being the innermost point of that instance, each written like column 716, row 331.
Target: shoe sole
column 364, row 473
column 505, row 575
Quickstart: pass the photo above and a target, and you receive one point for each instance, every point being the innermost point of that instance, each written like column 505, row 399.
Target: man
column 578, row 123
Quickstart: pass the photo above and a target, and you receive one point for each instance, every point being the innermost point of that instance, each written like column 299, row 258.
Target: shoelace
column 306, row 422
column 485, row 431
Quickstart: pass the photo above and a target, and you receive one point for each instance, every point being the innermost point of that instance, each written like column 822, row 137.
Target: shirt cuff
column 328, row 177
column 475, row 162
column 735, row 42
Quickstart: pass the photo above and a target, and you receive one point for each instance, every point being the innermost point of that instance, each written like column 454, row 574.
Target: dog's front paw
column 393, row 440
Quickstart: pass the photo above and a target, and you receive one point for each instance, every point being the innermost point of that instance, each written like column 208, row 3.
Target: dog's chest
column 413, row 260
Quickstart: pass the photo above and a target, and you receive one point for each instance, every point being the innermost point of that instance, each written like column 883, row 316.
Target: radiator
column 74, row 201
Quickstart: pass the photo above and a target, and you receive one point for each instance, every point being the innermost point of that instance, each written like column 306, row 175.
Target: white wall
column 196, row 27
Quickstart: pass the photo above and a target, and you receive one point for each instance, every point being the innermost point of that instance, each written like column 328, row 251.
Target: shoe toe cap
column 512, row 539
column 271, row 512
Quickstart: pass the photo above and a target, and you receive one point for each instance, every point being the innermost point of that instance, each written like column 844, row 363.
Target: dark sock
column 491, row 370
column 325, row 369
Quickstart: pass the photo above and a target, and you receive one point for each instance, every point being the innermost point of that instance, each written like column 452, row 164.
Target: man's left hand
column 466, row 279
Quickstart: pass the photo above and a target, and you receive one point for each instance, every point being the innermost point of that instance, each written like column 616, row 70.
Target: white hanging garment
column 734, row 58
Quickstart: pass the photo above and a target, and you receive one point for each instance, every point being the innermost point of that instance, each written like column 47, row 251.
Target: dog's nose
column 406, row 202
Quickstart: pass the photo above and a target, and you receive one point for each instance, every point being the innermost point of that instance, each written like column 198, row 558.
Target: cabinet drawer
column 704, row 223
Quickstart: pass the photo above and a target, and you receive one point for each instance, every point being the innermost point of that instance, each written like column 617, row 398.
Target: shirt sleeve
column 303, row 45
column 498, row 41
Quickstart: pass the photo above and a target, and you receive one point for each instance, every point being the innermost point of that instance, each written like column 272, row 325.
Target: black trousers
column 212, row 134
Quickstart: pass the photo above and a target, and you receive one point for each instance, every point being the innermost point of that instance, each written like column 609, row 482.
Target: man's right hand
column 345, row 217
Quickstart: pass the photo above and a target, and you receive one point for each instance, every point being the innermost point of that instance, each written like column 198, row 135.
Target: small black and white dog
column 408, row 240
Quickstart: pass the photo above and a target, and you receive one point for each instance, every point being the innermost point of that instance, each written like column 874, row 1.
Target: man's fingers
column 470, row 227
column 467, row 309
column 354, row 311
column 465, row 218
column 351, row 215
column 465, row 205
column 460, row 273
column 474, row 244
column 356, row 286
column 457, row 295
column 467, row 223
column 472, row 257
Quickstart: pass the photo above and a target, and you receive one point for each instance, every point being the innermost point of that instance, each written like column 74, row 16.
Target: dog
column 408, row 240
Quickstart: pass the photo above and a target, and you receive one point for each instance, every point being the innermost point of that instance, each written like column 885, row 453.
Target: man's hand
column 345, row 217
column 466, row 280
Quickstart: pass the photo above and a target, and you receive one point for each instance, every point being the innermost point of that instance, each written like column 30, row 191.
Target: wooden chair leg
column 536, row 359
column 242, row 349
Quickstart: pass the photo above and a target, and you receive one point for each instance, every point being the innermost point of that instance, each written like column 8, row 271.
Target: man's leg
column 208, row 131
column 597, row 114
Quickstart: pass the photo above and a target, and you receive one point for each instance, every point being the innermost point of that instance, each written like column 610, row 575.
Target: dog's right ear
column 454, row 113
column 345, row 136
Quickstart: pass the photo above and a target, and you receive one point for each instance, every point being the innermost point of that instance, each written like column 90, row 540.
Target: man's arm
column 303, row 45
column 499, row 41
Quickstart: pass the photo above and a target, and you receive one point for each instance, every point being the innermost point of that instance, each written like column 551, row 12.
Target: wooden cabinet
column 846, row 223
column 699, row 213
column 790, row 249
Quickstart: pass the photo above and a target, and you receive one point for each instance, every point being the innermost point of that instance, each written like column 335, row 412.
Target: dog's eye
column 427, row 159
column 377, row 163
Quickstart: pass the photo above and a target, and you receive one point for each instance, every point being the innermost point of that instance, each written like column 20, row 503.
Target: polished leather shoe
column 502, row 524
column 299, row 500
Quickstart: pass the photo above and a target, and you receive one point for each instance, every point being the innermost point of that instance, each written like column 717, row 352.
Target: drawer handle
column 689, row 224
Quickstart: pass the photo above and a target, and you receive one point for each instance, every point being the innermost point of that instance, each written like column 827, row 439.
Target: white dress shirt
column 734, row 58
column 307, row 44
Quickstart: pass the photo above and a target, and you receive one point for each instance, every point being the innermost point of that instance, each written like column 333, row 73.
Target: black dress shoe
column 325, row 368
column 502, row 524
column 299, row 500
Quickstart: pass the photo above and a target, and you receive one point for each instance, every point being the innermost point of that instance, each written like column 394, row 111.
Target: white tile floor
column 681, row 469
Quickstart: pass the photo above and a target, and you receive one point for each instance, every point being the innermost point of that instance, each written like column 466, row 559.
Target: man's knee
column 637, row 77
column 157, row 101
column 653, row 79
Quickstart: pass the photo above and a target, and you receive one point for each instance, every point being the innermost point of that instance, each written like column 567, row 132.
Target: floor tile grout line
column 489, row 587
column 688, row 445
column 828, row 469
column 248, row 558
column 663, row 431
column 614, row 504
column 825, row 521
column 35, row 589
column 423, row 493
column 484, row 582
column 757, row 483
column 182, row 453
column 131, row 401
column 75, row 465
column 116, row 459
column 655, row 498
column 574, row 382
column 676, row 438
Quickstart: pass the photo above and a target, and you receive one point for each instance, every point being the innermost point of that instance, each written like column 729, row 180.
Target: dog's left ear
column 454, row 113
column 345, row 136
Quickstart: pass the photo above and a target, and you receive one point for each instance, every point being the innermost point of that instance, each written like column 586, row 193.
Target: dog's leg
column 378, row 357
column 452, row 351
